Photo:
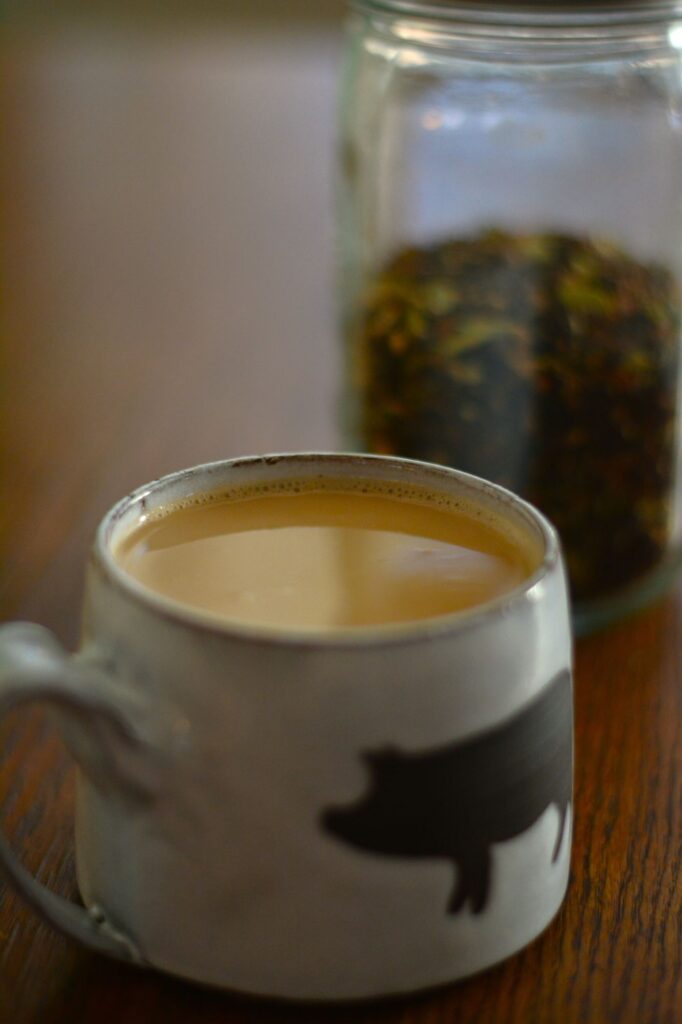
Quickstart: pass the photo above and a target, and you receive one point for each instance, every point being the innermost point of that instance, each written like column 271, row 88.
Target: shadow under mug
column 335, row 816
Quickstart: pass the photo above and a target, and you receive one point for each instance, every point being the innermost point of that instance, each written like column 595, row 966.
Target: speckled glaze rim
column 406, row 471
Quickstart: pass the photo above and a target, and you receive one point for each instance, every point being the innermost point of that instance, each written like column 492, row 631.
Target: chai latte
column 326, row 555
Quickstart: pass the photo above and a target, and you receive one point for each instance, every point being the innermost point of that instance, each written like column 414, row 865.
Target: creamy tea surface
column 332, row 556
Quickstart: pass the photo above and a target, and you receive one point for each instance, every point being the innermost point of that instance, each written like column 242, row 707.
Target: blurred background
column 168, row 193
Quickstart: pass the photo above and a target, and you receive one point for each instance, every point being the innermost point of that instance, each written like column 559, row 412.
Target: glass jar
column 511, row 239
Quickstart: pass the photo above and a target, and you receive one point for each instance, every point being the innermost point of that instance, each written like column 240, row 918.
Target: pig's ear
column 382, row 756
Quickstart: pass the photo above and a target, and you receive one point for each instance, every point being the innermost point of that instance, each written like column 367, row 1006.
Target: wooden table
column 169, row 304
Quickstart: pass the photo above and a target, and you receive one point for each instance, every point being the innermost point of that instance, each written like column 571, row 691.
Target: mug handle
column 104, row 728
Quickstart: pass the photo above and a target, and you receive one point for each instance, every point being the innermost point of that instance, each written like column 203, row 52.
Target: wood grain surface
column 169, row 303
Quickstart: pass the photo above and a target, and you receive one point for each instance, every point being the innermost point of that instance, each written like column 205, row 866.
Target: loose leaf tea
column 545, row 362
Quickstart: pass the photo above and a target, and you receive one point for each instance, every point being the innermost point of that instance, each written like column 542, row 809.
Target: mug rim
column 389, row 634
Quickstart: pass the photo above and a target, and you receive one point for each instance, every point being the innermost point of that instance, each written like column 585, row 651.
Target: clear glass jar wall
column 511, row 239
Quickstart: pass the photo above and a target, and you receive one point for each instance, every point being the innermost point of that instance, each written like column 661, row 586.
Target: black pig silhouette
column 457, row 800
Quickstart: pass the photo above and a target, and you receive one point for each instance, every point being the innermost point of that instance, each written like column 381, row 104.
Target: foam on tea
column 326, row 555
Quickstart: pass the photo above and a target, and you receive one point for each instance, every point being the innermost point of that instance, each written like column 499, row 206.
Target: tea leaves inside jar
column 545, row 362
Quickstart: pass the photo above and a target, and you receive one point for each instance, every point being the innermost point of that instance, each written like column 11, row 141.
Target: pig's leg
column 473, row 882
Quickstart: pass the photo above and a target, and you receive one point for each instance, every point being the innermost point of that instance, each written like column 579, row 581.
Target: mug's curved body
column 332, row 817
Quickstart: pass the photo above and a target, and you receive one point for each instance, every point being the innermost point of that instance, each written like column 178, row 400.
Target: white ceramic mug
column 331, row 817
